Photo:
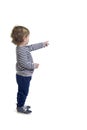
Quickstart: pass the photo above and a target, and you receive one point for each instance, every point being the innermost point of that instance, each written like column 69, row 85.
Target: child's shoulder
column 21, row 48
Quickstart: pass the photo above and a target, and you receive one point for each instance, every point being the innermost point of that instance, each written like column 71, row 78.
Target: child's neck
column 22, row 44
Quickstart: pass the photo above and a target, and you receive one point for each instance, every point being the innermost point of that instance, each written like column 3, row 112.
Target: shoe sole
column 28, row 112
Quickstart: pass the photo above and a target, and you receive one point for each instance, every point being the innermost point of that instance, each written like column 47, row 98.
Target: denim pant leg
column 23, row 89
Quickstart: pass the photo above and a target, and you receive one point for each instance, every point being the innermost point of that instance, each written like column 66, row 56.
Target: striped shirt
column 25, row 65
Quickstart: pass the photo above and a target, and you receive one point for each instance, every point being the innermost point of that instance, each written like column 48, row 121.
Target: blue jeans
column 23, row 89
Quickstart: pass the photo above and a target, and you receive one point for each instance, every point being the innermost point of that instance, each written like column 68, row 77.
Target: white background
column 58, row 91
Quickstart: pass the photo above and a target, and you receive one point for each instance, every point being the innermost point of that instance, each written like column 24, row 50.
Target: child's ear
column 24, row 39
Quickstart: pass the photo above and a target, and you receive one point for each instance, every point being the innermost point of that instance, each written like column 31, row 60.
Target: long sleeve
column 36, row 46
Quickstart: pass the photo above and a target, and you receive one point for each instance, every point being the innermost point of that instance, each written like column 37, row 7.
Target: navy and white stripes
column 25, row 65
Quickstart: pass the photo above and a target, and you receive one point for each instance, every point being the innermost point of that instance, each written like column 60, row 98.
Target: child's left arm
column 38, row 46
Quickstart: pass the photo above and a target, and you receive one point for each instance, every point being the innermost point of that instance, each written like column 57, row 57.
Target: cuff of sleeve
column 34, row 66
column 44, row 44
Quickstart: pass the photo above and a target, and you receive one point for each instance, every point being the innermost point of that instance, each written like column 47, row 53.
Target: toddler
column 25, row 65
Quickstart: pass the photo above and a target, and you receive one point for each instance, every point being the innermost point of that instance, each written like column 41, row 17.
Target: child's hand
column 36, row 65
column 46, row 43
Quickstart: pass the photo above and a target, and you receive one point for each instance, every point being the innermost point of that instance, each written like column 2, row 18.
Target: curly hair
column 18, row 34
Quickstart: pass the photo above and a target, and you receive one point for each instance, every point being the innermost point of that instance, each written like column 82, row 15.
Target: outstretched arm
column 38, row 46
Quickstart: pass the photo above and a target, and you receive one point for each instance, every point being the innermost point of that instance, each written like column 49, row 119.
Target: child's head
column 18, row 34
